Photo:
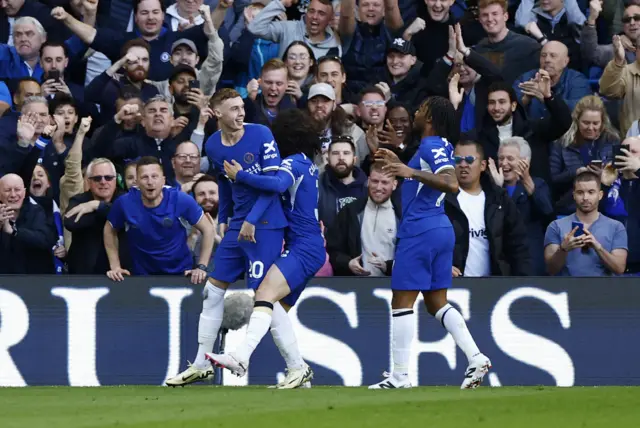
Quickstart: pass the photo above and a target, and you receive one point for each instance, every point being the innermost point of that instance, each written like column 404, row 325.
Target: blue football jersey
column 258, row 153
column 157, row 237
column 297, row 180
column 422, row 206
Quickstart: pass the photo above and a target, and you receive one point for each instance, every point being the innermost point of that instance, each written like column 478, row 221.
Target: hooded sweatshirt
column 285, row 33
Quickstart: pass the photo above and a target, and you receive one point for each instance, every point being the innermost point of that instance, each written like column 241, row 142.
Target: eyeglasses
column 183, row 157
column 98, row 178
column 468, row 159
column 301, row 57
column 379, row 103
column 628, row 19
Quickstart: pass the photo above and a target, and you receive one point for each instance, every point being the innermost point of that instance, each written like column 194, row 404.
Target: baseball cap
column 403, row 46
column 187, row 42
column 323, row 89
column 182, row 68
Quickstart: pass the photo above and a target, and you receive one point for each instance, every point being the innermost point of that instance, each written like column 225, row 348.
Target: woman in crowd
column 40, row 192
column 300, row 63
column 588, row 143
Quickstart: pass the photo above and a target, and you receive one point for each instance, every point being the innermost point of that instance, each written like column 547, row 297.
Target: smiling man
column 262, row 108
column 153, row 218
column 491, row 239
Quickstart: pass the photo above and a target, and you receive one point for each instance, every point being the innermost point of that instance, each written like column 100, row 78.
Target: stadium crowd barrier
column 89, row 331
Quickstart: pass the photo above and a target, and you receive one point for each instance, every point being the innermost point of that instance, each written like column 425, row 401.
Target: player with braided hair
column 428, row 177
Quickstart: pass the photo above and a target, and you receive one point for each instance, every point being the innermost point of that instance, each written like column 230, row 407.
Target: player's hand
column 247, row 232
column 197, row 275
column 378, row 262
column 462, row 48
column 118, row 274
column 82, row 209
column 398, row 169
column 386, row 156
column 355, row 265
column 455, row 272
column 496, row 173
column 571, row 242
column 222, row 227
column 232, row 169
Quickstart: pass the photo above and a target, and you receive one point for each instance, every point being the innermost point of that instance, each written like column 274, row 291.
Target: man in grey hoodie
column 313, row 29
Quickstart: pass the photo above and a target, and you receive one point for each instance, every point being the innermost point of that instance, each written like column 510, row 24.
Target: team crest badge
column 248, row 158
column 165, row 57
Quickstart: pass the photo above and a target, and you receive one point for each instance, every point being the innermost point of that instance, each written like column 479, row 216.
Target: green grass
column 429, row 407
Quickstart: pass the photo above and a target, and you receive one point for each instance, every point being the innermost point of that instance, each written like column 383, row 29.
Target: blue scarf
column 614, row 205
column 57, row 218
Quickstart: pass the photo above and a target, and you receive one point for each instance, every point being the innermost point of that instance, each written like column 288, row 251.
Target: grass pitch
column 206, row 406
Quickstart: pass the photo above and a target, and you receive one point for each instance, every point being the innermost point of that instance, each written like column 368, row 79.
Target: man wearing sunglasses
column 491, row 239
column 600, row 55
column 85, row 218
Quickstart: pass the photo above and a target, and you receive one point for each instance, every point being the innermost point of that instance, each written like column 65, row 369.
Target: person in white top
column 491, row 239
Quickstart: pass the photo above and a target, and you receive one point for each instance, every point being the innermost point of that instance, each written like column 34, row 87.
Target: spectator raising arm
column 264, row 25
column 212, row 67
column 85, row 32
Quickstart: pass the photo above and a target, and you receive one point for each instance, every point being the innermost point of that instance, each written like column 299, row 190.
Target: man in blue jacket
column 569, row 84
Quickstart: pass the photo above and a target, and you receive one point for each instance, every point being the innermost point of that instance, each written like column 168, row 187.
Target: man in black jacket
column 491, row 239
column 507, row 119
column 154, row 139
column 85, row 219
column 362, row 239
column 26, row 236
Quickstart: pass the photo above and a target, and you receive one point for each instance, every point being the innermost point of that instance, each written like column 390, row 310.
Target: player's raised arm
column 269, row 183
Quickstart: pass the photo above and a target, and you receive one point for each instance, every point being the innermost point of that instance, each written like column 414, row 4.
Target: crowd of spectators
column 106, row 105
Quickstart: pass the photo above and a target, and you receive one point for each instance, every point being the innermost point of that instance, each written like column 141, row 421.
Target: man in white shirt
column 491, row 239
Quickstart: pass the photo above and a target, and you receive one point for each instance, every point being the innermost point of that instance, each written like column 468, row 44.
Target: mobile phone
column 596, row 162
column 617, row 151
column 580, row 227
column 194, row 84
column 54, row 74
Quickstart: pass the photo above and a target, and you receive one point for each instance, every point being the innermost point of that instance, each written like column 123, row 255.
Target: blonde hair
column 589, row 103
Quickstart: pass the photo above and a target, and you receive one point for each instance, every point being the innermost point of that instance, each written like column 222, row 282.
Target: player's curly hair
column 296, row 132
column 442, row 115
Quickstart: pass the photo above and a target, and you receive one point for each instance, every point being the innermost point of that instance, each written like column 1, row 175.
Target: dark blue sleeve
column 108, row 42
column 189, row 208
column 270, row 183
column 116, row 216
column 76, row 47
column 225, row 200
column 261, row 205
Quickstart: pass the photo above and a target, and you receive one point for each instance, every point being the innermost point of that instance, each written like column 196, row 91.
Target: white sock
column 259, row 324
column 210, row 321
column 285, row 338
column 454, row 323
column 402, row 331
